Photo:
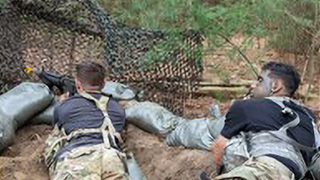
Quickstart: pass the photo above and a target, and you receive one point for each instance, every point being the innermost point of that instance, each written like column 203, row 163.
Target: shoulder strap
column 107, row 127
column 279, row 101
column 102, row 104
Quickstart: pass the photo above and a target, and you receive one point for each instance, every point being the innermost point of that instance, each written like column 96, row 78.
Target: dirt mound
column 159, row 161
column 23, row 160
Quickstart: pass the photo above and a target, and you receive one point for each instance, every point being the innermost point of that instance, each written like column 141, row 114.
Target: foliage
column 2, row 2
column 283, row 20
column 289, row 24
column 175, row 16
column 226, row 17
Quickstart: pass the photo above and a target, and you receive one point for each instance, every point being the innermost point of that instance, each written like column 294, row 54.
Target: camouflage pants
column 261, row 168
column 90, row 163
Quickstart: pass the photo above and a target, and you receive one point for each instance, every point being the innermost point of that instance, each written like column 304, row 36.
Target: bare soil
column 23, row 160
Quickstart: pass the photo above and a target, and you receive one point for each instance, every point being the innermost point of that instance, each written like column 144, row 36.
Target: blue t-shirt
column 258, row 114
column 78, row 112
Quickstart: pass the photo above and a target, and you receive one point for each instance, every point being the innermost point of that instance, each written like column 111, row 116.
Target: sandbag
column 133, row 168
column 195, row 133
column 44, row 117
column 19, row 105
column 152, row 118
column 119, row 91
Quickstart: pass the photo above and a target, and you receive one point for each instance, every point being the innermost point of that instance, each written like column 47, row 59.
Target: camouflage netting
column 56, row 34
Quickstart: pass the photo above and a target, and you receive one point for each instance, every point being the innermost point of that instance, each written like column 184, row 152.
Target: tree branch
column 244, row 57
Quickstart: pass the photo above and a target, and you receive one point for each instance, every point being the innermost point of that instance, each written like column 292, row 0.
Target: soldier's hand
column 218, row 150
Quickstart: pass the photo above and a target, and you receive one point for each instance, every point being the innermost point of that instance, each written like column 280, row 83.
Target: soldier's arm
column 218, row 150
column 235, row 123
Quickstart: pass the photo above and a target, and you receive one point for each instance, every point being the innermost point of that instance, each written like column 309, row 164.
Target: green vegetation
column 281, row 19
column 211, row 20
column 289, row 25
column 2, row 2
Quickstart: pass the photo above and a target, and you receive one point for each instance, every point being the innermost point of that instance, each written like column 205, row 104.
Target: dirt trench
column 23, row 160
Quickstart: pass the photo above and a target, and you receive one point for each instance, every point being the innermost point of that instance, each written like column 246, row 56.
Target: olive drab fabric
column 119, row 91
column 58, row 137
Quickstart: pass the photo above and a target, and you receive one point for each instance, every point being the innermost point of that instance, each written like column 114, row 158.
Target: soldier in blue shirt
column 86, row 141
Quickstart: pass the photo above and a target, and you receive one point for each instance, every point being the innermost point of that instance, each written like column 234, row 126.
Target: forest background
column 239, row 35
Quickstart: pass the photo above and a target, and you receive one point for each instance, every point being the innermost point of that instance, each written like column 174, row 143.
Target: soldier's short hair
column 91, row 74
column 287, row 73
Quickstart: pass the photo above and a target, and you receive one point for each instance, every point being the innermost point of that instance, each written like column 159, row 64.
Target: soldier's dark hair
column 287, row 73
column 91, row 74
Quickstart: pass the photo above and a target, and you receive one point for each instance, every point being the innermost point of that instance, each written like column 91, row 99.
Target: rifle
column 51, row 79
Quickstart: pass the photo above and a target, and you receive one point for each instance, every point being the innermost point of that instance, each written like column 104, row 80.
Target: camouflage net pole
column 56, row 34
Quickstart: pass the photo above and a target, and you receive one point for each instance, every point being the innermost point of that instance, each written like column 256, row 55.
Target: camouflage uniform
column 261, row 168
column 90, row 163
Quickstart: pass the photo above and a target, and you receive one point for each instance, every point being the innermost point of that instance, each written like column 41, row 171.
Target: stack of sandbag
column 152, row 117
column 44, row 117
column 155, row 119
column 119, row 91
column 195, row 133
column 19, row 105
